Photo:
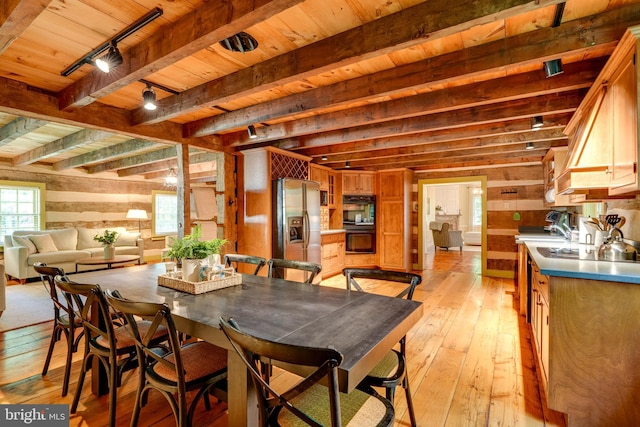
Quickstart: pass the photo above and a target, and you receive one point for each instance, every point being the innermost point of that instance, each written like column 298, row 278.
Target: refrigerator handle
column 307, row 229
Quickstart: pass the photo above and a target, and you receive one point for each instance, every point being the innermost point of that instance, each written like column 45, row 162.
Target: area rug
column 27, row 305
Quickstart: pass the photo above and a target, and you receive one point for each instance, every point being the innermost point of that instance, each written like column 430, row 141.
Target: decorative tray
column 225, row 279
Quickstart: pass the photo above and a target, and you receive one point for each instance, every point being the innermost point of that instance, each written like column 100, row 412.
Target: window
column 165, row 213
column 21, row 206
column 477, row 208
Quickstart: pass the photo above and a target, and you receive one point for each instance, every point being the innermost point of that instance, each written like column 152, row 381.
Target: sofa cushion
column 44, row 243
column 26, row 242
column 53, row 258
column 65, row 239
column 86, row 235
column 127, row 238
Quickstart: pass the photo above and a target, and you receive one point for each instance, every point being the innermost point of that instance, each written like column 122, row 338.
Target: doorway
column 460, row 200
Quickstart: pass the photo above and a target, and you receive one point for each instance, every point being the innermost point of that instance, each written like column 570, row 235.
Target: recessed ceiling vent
column 241, row 42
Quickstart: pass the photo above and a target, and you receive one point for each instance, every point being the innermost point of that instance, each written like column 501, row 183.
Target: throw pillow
column 26, row 242
column 127, row 239
column 43, row 242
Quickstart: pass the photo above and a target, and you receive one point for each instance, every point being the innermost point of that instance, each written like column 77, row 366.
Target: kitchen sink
column 582, row 254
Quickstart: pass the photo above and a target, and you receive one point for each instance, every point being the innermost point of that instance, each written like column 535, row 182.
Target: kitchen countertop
column 619, row 271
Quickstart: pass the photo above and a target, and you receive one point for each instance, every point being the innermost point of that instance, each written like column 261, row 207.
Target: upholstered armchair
column 443, row 237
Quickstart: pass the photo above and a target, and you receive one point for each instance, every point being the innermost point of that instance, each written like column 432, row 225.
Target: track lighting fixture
column 241, row 42
column 347, row 165
column 252, row 132
column 109, row 60
column 324, row 157
column 553, row 67
column 530, row 146
column 537, row 123
column 149, row 98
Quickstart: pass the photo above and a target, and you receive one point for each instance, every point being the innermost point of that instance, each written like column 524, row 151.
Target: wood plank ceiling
column 426, row 85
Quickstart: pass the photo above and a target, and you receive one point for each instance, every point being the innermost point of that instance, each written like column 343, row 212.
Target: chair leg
column 113, row 391
column 83, row 372
column 52, row 344
column 407, row 392
column 67, row 366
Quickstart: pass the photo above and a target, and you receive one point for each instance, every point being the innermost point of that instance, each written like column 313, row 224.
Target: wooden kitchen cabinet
column 333, row 254
column 358, row 182
column 540, row 320
column 552, row 163
column 394, row 219
column 327, row 179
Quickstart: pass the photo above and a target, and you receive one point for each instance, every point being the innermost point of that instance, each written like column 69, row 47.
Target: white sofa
column 69, row 244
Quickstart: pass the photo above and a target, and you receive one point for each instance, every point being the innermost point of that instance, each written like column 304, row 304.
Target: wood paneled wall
column 501, row 248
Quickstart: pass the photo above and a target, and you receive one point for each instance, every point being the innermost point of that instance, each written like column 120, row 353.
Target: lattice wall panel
column 288, row 167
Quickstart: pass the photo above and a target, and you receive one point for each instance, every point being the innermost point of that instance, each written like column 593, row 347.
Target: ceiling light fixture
column 557, row 17
column 347, row 165
column 530, row 146
column 149, row 98
column 323, row 158
column 251, row 130
column 537, row 123
column 90, row 57
column 109, row 60
column 241, row 42
column 553, row 67
column 171, row 180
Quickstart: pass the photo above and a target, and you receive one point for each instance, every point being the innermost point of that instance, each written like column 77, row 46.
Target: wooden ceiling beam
column 16, row 16
column 21, row 99
column 495, row 129
column 103, row 154
column 61, row 145
column 17, row 128
column 515, row 87
column 569, row 38
column 406, row 28
column 141, row 159
column 143, row 169
column 419, row 147
column 212, row 22
column 530, row 157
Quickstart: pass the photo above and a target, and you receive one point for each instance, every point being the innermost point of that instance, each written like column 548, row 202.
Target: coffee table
column 117, row 259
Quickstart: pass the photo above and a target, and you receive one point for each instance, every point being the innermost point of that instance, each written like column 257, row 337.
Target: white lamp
column 138, row 214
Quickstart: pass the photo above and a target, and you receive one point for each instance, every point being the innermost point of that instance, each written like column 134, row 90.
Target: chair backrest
column 99, row 332
column 146, row 345
column 47, row 275
column 235, row 261
column 325, row 361
column 285, row 269
column 410, row 279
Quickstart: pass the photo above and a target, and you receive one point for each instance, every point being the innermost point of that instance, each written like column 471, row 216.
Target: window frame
column 42, row 188
column 154, row 195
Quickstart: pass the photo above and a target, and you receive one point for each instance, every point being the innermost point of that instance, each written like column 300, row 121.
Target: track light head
column 529, row 146
column 109, row 60
column 537, row 122
column 149, row 98
column 347, row 165
column 251, row 129
column 324, row 158
column 553, row 67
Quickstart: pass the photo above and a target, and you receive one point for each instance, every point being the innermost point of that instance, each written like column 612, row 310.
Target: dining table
column 362, row 326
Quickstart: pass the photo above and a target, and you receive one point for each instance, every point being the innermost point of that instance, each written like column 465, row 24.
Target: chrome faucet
column 565, row 231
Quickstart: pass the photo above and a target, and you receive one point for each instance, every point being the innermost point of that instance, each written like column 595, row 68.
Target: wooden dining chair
column 391, row 371
column 64, row 321
column 285, row 269
column 185, row 367
column 315, row 399
column 105, row 339
column 237, row 260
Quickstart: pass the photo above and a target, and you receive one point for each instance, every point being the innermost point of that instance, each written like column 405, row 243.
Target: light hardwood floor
column 470, row 360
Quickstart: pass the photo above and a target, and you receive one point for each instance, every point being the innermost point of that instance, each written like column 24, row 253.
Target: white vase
column 109, row 252
column 191, row 269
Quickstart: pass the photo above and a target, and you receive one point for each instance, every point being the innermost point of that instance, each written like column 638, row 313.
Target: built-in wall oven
column 358, row 219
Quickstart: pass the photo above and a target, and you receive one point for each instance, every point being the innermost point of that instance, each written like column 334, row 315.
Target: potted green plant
column 191, row 252
column 108, row 238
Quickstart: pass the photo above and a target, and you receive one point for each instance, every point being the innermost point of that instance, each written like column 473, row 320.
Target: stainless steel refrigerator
column 296, row 223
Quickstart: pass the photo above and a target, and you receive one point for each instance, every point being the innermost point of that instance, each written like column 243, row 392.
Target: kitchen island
column 585, row 324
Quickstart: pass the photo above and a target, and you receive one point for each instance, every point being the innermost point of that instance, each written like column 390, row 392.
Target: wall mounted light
column 553, row 67
column 109, row 60
column 149, row 98
column 537, row 122
column 529, row 146
column 251, row 130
